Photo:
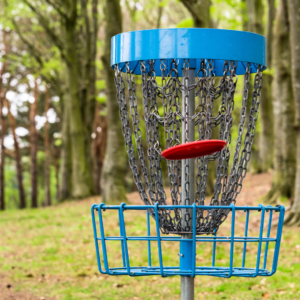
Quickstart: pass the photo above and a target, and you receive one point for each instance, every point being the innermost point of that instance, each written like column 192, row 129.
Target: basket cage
column 244, row 251
column 160, row 118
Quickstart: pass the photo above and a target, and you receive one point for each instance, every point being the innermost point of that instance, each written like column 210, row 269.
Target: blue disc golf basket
column 187, row 265
column 188, row 62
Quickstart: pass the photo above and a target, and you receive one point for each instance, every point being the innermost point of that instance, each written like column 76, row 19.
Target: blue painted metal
column 159, row 241
column 149, row 243
column 268, row 235
column 186, row 256
column 189, row 267
column 188, row 43
column 194, row 241
column 246, row 235
column 231, row 240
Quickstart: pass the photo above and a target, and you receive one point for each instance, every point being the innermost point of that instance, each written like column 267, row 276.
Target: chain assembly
column 164, row 122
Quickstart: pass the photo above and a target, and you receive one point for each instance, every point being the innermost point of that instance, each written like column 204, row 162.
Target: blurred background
column 61, row 137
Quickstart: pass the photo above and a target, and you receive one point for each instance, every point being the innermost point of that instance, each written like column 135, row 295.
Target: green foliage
column 101, row 98
column 185, row 23
column 11, row 183
column 11, row 187
column 100, row 84
column 58, row 142
column 227, row 14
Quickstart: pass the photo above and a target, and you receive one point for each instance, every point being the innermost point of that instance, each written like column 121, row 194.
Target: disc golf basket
column 176, row 94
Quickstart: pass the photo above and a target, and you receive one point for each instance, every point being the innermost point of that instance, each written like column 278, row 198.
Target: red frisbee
column 193, row 149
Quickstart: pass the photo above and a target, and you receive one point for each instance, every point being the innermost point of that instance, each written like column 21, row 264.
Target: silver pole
column 187, row 283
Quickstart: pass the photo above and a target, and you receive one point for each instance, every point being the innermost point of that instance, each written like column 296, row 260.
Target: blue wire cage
column 187, row 265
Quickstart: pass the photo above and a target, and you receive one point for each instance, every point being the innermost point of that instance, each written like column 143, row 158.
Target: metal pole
column 187, row 282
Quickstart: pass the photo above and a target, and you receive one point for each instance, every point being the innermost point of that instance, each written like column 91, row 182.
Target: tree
column 115, row 161
column 265, row 139
column 2, row 119
column 294, row 12
column 74, row 35
column 33, row 147
column 99, row 144
column 12, row 122
column 47, row 149
column 283, row 110
column 2, row 175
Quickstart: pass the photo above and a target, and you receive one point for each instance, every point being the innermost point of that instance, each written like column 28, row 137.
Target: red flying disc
column 193, row 149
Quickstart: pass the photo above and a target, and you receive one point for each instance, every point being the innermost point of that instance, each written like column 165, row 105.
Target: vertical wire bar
column 122, row 242
column 122, row 224
column 268, row 235
column 278, row 239
column 194, row 241
column 96, row 239
column 214, row 250
column 158, row 241
column 261, row 230
column 103, row 239
column 232, row 240
column 246, row 235
column 149, row 242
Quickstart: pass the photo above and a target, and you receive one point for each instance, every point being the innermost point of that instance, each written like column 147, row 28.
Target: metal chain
column 170, row 96
column 156, row 189
column 207, row 93
column 121, row 98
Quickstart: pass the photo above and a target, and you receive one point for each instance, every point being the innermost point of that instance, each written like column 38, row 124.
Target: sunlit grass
column 50, row 252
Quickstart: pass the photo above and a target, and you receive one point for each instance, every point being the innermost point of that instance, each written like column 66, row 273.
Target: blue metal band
column 192, row 43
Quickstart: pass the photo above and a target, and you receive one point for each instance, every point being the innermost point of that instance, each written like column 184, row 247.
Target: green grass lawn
column 50, row 252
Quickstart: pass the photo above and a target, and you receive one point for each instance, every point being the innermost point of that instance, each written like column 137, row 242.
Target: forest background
column 60, row 128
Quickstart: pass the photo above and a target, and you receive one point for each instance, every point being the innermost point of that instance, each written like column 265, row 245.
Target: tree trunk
column 90, row 106
column 255, row 11
column 283, row 110
column 159, row 14
column 12, row 122
column 270, row 30
column 294, row 12
column 66, row 154
column 244, row 15
column 103, row 143
column 266, row 137
column 262, row 151
column 33, row 148
column 55, row 151
column 99, row 146
column 47, row 150
column 115, row 161
column 81, row 175
column 96, row 150
column 2, row 175
column 199, row 10
column 2, row 120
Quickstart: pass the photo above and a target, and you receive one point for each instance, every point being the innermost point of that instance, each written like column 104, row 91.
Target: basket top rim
column 187, row 43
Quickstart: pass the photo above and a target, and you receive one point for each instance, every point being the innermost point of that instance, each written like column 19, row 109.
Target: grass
column 50, row 252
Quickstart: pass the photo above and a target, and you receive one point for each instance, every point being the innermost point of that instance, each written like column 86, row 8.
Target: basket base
column 188, row 246
column 225, row 272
